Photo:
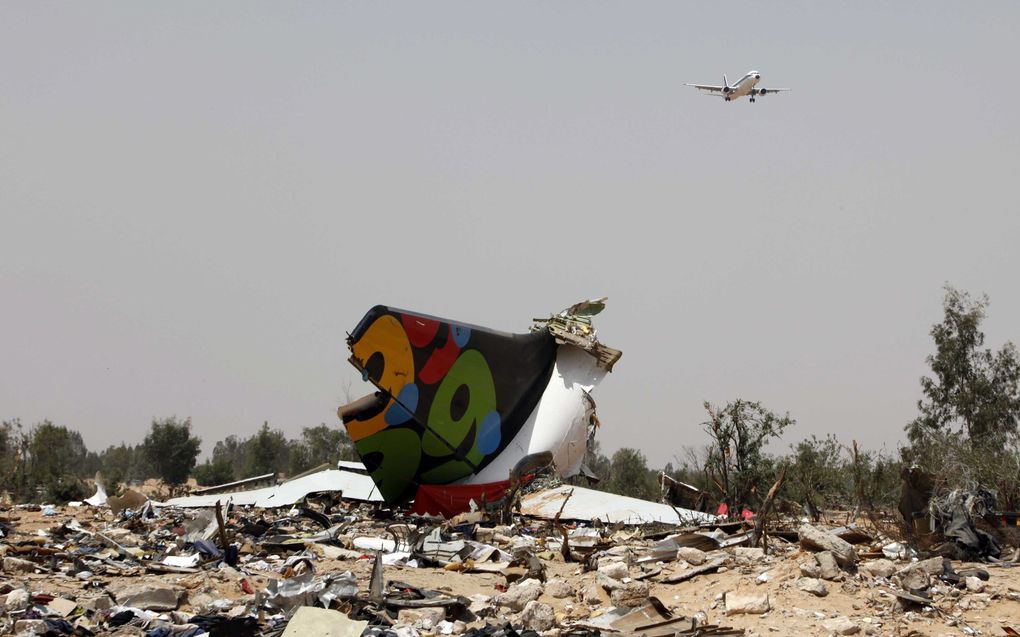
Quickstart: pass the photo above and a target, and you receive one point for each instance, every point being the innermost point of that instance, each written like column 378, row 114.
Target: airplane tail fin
column 724, row 81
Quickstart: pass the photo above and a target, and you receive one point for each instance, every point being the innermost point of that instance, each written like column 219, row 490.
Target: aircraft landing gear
column 752, row 100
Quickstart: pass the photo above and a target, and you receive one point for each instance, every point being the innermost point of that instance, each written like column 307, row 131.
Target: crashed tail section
column 454, row 399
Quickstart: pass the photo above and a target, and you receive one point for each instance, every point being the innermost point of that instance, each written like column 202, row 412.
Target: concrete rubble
column 365, row 569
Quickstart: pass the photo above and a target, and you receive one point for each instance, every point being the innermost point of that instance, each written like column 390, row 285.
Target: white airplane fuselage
column 743, row 87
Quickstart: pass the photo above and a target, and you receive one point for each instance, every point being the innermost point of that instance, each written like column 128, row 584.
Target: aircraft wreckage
column 459, row 404
column 462, row 416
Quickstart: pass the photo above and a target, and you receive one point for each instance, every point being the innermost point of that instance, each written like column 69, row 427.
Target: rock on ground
column 538, row 616
column 17, row 600
column 691, row 555
column 841, row 626
column 18, row 565
column 595, row 595
column 810, row 568
column 149, row 597
column 631, row 594
column 814, row 586
column 737, row 604
column 816, row 540
column 559, row 589
column 828, row 566
column 614, row 570
column 422, row 618
column 519, row 594
column 745, row 555
column 974, row 584
column 879, row 568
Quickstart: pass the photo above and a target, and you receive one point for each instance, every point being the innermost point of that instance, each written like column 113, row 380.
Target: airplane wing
column 706, row 87
column 764, row 91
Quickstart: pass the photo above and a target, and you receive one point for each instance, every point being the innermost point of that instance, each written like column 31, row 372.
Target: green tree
column 55, row 453
column 235, row 451
column 213, row 472
column 629, row 475
column 320, row 445
column 171, row 450
column 817, row 473
column 269, row 451
column 736, row 462
column 973, row 391
column 121, row 463
column 13, row 457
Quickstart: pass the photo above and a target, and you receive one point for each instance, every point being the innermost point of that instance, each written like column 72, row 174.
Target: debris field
column 355, row 568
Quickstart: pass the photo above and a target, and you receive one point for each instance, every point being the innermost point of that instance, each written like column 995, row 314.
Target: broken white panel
column 353, row 486
column 183, row 561
column 99, row 499
column 589, row 505
column 374, row 544
column 560, row 421
column 352, row 465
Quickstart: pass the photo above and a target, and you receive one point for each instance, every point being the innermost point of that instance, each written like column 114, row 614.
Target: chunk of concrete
column 17, row 565
column 746, row 555
column 607, row 582
column 519, row 594
column 538, row 616
column 814, row 539
column 841, row 626
column 310, row 621
column 737, row 604
column 17, row 600
column 814, row 586
column 829, row 569
column 149, row 597
column 630, row 595
column 931, row 566
column 30, row 627
column 425, row 619
column 974, row 584
column 482, row 606
column 595, row 595
column 915, row 581
column 878, row 568
column 614, row 570
column 560, row 589
column 810, row 568
column 691, row 555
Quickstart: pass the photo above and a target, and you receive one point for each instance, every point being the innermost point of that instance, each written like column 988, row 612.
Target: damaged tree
column 736, row 463
column 966, row 433
column 975, row 391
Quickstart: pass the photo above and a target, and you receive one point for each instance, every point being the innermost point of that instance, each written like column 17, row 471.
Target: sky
column 198, row 200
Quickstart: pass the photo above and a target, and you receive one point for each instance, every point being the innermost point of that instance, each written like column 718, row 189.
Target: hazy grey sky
column 198, row 199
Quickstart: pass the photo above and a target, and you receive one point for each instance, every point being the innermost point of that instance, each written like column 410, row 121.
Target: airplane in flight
column 743, row 86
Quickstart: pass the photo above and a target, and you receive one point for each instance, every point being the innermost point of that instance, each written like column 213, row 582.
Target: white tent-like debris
column 589, row 505
column 351, row 485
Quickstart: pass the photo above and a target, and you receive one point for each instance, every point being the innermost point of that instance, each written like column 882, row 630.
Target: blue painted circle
column 489, row 433
column 461, row 335
column 405, row 405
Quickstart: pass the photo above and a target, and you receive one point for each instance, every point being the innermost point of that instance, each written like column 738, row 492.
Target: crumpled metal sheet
column 353, row 486
column 590, row 505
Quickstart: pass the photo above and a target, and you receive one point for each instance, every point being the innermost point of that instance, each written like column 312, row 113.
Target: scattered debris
column 496, row 545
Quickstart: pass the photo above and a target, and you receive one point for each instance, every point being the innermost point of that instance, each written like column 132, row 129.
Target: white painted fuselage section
column 559, row 423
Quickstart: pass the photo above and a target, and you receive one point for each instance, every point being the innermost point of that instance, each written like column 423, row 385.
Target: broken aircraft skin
column 459, row 403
